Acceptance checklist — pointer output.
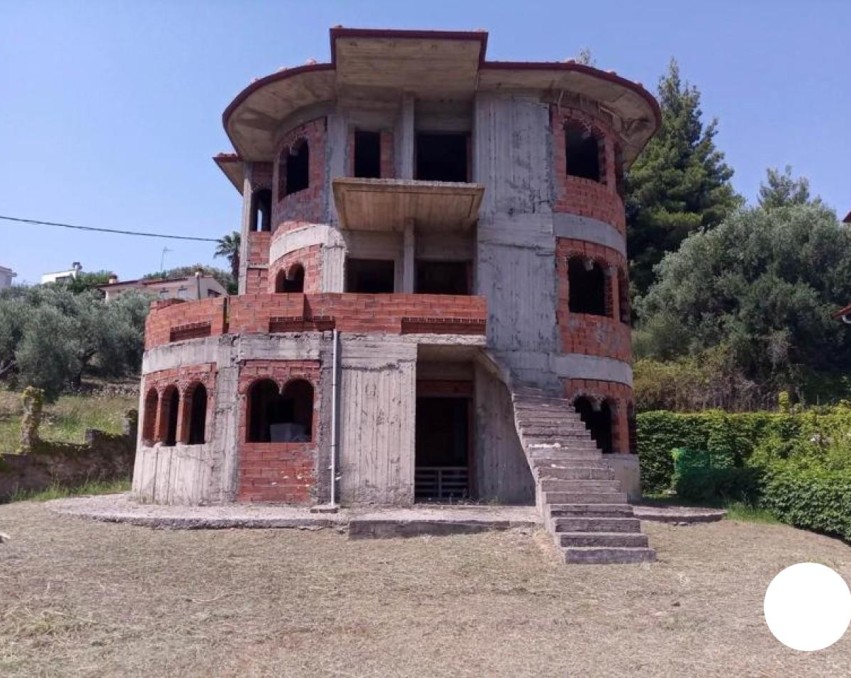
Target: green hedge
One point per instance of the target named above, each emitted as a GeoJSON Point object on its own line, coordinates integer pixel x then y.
{"type": "Point", "coordinates": [815, 500]}
{"type": "Point", "coordinates": [796, 465]}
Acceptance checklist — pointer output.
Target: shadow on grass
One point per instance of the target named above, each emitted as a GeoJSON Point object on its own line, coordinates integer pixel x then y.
{"type": "Point", "coordinates": [60, 492]}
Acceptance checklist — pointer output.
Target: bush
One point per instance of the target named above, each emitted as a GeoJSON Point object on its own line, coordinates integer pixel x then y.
{"type": "Point", "coordinates": [817, 500]}
{"type": "Point", "coordinates": [720, 485]}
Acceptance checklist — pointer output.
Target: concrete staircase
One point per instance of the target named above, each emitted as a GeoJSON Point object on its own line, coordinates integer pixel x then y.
{"type": "Point", "coordinates": [578, 496]}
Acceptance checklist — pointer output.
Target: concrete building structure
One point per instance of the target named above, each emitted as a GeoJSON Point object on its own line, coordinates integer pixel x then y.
{"type": "Point", "coordinates": [433, 295]}
{"type": "Point", "coordinates": [187, 288]}
{"type": "Point", "coordinates": [63, 276]}
{"type": "Point", "coordinates": [6, 277]}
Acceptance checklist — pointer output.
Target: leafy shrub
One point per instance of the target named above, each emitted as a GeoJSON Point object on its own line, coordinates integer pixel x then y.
{"type": "Point", "coordinates": [719, 485]}
{"type": "Point", "coordinates": [812, 499]}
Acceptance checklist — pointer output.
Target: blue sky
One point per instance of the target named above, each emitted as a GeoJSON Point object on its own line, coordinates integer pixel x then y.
{"type": "Point", "coordinates": [110, 111]}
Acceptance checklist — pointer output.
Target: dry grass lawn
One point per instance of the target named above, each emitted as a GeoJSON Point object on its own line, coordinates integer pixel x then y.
{"type": "Point", "coordinates": [89, 599]}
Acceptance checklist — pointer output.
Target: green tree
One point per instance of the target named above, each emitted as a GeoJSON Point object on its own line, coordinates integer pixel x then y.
{"type": "Point", "coordinates": [51, 337]}
{"type": "Point", "coordinates": [782, 190]}
{"type": "Point", "coordinates": [761, 288]}
{"type": "Point", "coordinates": [679, 184]}
{"type": "Point", "coordinates": [228, 247]}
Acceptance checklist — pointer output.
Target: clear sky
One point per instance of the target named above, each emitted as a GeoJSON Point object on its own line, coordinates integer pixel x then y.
{"type": "Point", "coordinates": [110, 111]}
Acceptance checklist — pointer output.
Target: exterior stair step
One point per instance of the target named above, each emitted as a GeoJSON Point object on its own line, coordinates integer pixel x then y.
{"type": "Point", "coordinates": [568, 462]}
{"type": "Point", "coordinates": [607, 555]}
{"type": "Point", "coordinates": [611, 539]}
{"type": "Point", "coordinates": [595, 524]}
{"type": "Point", "coordinates": [572, 485]}
{"type": "Point", "coordinates": [584, 497]}
{"type": "Point", "coordinates": [570, 472]}
{"type": "Point", "coordinates": [591, 510]}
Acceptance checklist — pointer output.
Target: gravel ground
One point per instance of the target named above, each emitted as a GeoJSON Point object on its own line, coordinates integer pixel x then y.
{"type": "Point", "coordinates": [83, 598]}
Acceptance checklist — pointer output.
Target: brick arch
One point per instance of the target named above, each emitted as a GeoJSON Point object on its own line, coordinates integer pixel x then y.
{"type": "Point", "coordinates": [309, 204]}
{"type": "Point", "coordinates": [195, 401]}
{"type": "Point", "coordinates": [149, 415]}
{"type": "Point", "coordinates": [309, 258]}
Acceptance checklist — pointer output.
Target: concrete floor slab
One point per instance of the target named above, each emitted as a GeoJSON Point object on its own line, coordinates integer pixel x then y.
{"type": "Point", "coordinates": [359, 522]}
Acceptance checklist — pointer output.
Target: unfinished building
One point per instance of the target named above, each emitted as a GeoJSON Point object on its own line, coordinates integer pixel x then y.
{"type": "Point", "coordinates": [433, 295]}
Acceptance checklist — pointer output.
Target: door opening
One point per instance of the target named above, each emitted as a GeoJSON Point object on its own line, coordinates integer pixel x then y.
{"type": "Point", "coordinates": [442, 461]}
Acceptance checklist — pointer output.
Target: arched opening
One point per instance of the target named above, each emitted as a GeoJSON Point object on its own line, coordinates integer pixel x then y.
{"type": "Point", "coordinates": [263, 410]}
{"type": "Point", "coordinates": [261, 210]}
{"type": "Point", "coordinates": [586, 283]}
{"type": "Point", "coordinates": [149, 419]}
{"type": "Point", "coordinates": [597, 418]}
{"type": "Point", "coordinates": [294, 169]}
{"type": "Point", "coordinates": [169, 416]}
{"type": "Point", "coordinates": [298, 397]}
{"type": "Point", "coordinates": [582, 153]}
{"type": "Point", "coordinates": [623, 297]}
{"type": "Point", "coordinates": [290, 282]}
{"type": "Point", "coordinates": [198, 415]}
{"type": "Point", "coordinates": [619, 177]}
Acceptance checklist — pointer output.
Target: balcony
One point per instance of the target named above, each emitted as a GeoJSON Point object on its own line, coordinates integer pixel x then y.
{"type": "Point", "coordinates": [390, 204]}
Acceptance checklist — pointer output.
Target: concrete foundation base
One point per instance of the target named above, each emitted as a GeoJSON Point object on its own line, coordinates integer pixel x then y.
{"type": "Point", "coordinates": [627, 472]}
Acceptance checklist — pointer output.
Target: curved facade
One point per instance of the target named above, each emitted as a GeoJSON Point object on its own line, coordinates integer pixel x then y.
{"type": "Point", "coordinates": [420, 242]}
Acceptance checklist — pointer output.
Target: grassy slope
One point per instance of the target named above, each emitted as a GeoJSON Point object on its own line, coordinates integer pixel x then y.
{"type": "Point", "coordinates": [67, 419]}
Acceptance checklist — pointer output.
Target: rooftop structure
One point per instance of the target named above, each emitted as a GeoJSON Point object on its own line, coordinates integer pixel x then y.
{"type": "Point", "coordinates": [188, 288]}
{"type": "Point", "coordinates": [63, 276]}
{"type": "Point", "coordinates": [433, 295]}
{"type": "Point", "coordinates": [6, 276]}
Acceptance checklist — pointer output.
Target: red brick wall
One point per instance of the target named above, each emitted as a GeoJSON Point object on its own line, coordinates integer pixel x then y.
{"type": "Point", "coordinates": [262, 174]}
{"type": "Point", "coordinates": [605, 336]}
{"type": "Point", "coordinates": [311, 203]}
{"type": "Point", "coordinates": [585, 197]}
{"type": "Point", "coordinates": [258, 247]}
{"type": "Point", "coordinates": [309, 257]}
{"type": "Point", "coordinates": [169, 314]}
{"type": "Point", "coordinates": [184, 378]}
{"type": "Point", "coordinates": [388, 156]}
{"type": "Point", "coordinates": [251, 313]}
{"type": "Point", "coordinates": [619, 397]}
{"type": "Point", "coordinates": [277, 472]}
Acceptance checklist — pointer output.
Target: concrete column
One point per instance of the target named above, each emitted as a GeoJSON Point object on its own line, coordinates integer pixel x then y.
{"type": "Point", "coordinates": [405, 139]}
{"type": "Point", "coordinates": [247, 190]}
{"type": "Point", "coordinates": [408, 262]}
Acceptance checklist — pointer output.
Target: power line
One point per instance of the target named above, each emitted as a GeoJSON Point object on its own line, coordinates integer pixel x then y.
{"type": "Point", "coordinates": [108, 230]}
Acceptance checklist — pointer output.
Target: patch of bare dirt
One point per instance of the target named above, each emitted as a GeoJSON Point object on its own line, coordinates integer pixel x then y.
{"type": "Point", "coordinates": [93, 599]}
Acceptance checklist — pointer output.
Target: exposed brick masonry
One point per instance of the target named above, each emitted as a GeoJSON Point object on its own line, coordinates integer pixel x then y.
{"type": "Point", "coordinates": [311, 204]}
{"type": "Point", "coordinates": [277, 472]}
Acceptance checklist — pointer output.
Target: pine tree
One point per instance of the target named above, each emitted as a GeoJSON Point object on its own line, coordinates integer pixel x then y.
{"type": "Point", "coordinates": [679, 184]}
{"type": "Point", "coordinates": [782, 190]}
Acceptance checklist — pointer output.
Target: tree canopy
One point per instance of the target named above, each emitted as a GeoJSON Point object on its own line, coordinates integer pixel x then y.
{"type": "Point", "coordinates": [680, 183]}
{"type": "Point", "coordinates": [783, 190]}
{"type": "Point", "coordinates": [228, 247]}
{"type": "Point", "coordinates": [51, 337]}
{"type": "Point", "coordinates": [761, 287]}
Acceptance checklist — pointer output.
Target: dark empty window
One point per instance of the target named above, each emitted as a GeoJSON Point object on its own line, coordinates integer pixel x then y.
{"type": "Point", "coordinates": [198, 416]}
{"type": "Point", "coordinates": [623, 297]}
{"type": "Point", "coordinates": [280, 417]}
{"type": "Point", "coordinates": [619, 178]}
{"type": "Point", "coordinates": [294, 169]}
{"type": "Point", "coordinates": [582, 153]}
{"type": "Point", "coordinates": [292, 281]}
{"type": "Point", "coordinates": [367, 155]}
{"type": "Point", "coordinates": [150, 417]}
{"type": "Point", "coordinates": [441, 157]}
{"type": "Point", "coordinates": [586, 283]}
{"type": "Point", "coordinates": [370, 277]}
{"type": "Point", "coordinates": [169, 416]}
{"type": "Point", "coordinates": [442, 277]}
{"type": "Point", "coordinates": [598, 421]}
{"type": "Point", "coordinates": [261, 210]}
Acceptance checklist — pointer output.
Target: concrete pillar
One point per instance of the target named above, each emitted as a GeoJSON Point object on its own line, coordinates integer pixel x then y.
{"type": "Point", "coordinates": [405, 139]}
{"type": "Point", "coordinates": [408, 262]}
{"type": "Point", "coordinates": [247, 190]}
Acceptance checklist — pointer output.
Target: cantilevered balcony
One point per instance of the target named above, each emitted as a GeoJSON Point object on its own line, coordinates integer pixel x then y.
{"type": "Point", "coordinates": [391, 204]}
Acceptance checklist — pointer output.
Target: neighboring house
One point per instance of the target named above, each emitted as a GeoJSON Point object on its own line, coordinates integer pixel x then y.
{"type": "Point", "coordinates": [6, 275]}
{"type": "Point", "coordinates": [63, 276]}
{"type": "Point", "coordinates": [189, 288]}
{"type": "Point", "coordinates": [433, 295]}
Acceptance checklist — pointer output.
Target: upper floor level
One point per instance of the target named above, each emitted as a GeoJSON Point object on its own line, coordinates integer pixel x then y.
{"type": "Point", "coordinates": [399, 111]}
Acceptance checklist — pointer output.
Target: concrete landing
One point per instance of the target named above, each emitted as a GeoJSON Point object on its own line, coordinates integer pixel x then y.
{"type": "Point", "coordinates": [678, 515]}
{"type": "Point", "coordinates": [359, 523]}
